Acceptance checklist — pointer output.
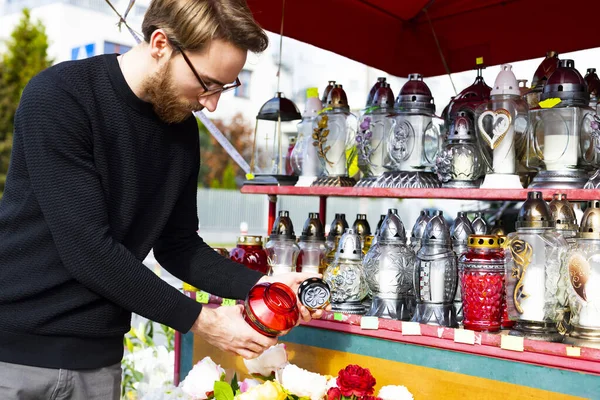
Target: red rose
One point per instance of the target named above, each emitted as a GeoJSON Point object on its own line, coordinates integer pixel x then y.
{"type": "Point", "coordinates": [334, 394]}
{"type": "Point", "coordinates": [370, 398]}
{"type": "Point", "coordinates": [357, 381]}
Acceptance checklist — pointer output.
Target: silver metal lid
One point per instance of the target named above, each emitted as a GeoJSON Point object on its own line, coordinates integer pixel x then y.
{"type": "Point", "coordinates": [480, 225]}
{"type": "Point", "coordinates": [349, 247]}
{"type": "Point", "coordinates": [437, 230]}
{"type": "Point", "coordinates": [461, 228]}
{"type": "Point", "coordinates": [419, 226]}
{"type": "Point", "coordinates": [392, 229]}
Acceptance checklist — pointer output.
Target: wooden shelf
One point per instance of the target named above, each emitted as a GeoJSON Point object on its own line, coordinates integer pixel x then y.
{"type": "Point", "coordinates": [441, 193]}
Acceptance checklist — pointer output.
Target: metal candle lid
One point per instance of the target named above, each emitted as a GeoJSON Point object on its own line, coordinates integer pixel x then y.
{"type": "Point", "coordinates": [562, 213]}
{"type": "Point", "coordinates": [378, 228]}
{"type": "Point", "coordinates": [479, 224]}
{"type": "Point", "coordinates": [415, 96]}
{"type": "Point", "coordinates": [419, 226]}
{"type": "Point", "coordinates": [392, 230]}
{"type": "Point", "coordinates": [337, 98]}
{"type": "Point", "coordinates": [279, 108]}
{"type": "Point", "coordinates": [313, 230]}
{"type": "Point", "coordinates": [535, 213]}
{"type": "Point", "coordinates": [361, 225]}
{"type": "Point", "coordinates": [314, 293]}
{"type": "Point", "coordinates": [380, 82]}
{"type": "Point", "coordinates": [462, 128]}
{"type": "Point", "coordinates": [498, 229]}
{"type": "Point", "coordinates": [249, 240]}
{"type": "Point", "coordinates": [590, 222]}
{"type": "Point", "coordinates": [349, 247]}
{"type": "Point", "coordinates": [593, 83]}
{"type": "Point", "coordinates": [283, 227]}
{"type": "Point", "coordinates": [486, 242]}
{"type": "Point", "coordinates": [544, 70]}
{"type": "Point", "coordinates": [384, 97]}
{"type": "Point", "coordinates": [506, 82]}
{"type": "Point", "coordinates": [567, 84]}
{"type": "Point", "coordinates": [461, 228]}
{"type": "Point", "coordinates": [471, 97]}
{"type": "Point", "coordinates": [326, 92]}
{"type": "Point", "coordinates": [338, 226]}
{"type": "Point", "coordinates": [436, 230]}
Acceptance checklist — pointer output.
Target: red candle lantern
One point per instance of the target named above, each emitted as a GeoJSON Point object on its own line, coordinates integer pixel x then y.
{"type": "Point", "coordinates": [250, 252]}
{"type": "Point", "coordinates": [271, 308]}
{"type": "Point", "coordinates": [481, 271]}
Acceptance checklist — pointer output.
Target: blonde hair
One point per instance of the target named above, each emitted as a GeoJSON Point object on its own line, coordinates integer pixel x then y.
{"type": "Point", "coordinates": [192, 24]}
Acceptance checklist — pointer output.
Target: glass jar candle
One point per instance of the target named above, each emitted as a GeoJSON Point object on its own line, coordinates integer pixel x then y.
{"type": "Point", "coordinates": [249, 251]}
{"type": "Point", "coordinates": [271, 308]}
{"type": "Point", "coordinates": [481, 271]}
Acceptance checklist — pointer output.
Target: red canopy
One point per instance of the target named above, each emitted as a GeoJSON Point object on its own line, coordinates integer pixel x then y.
{"type": "Point", "coordinates": [396, 36]}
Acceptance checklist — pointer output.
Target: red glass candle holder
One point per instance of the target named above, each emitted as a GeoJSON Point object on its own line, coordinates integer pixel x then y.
{"type": "Point", "coordinates": [271, 308]}
{"type": "Point", "coordinates": [249, 251]}
{"type": "Point", "coordinates": [481, 271]}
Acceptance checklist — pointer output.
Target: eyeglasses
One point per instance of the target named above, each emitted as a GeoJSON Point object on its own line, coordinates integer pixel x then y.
{"type": "Point", "coordinates": [208, 92]}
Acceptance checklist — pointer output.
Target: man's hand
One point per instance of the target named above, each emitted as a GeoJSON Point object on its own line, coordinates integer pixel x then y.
{"type": "Point", "coordinates": [225, 328]}
{"type": "Point", "coordinates": [293, 280]}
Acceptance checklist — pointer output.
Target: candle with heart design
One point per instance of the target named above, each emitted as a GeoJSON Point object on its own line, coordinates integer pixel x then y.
{"type": "Point", "coordinates": [501, 123]}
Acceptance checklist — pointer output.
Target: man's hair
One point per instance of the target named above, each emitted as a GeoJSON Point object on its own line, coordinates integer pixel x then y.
{"type": "Point", "coordinates": [192, 24]}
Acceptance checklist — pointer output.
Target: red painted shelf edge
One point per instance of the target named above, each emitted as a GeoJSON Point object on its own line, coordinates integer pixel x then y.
{"type": "Point", "coordinates": [437, 193]}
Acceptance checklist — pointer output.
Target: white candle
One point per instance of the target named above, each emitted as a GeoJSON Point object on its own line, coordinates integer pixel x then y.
{"type": "Point", "coordinates": [281, 269]}
{"type": "Point", "coordinates": [504, 154]}
{"type": "Point", "coordinates": [589, 316]}
{"type": "Point", "coordinates": [560, 152]}
{"type": "Point", "coordinates": [437, 281]}
{"type": "Point", "coordinates": [534, 281]}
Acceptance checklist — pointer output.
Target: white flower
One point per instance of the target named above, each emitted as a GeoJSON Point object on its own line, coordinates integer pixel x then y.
{"type": "Point", "coordinates": [166, 393]}
{"type": "Point", "coordinates": [272, 359]}
{"type": "Point", "coordinates": [156, 365]}
{"type": "Point", "coordinates": [202, 378]}
{"type": "Point", "coordinates": [392, 392]}
{"type": "Point", "coordinates": [247, 383]}
{"type": "Point", "coordinates": [303, 383]}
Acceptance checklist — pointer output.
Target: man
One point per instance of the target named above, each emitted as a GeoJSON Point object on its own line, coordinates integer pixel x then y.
{"type": "Point", "coordinates": [104, 168]}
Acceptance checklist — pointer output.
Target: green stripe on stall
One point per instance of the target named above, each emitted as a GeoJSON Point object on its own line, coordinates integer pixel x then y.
{"type": "Point", "coordinates": [551, 379]}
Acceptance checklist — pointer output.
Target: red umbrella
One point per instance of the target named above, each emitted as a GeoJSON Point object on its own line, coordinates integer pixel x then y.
{"type": "Point", "coordinates": [407, 36]}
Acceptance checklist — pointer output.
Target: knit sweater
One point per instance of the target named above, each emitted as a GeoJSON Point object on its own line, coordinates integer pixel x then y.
{"type": "Point", "coordinates": [96, 180]}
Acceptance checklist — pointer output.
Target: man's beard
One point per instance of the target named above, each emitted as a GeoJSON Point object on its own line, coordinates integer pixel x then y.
{"type": "Point", "coordinates": [161, 93]}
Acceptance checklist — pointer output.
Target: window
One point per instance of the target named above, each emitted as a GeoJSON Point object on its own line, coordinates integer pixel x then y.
{"type": "Point", "coordinates": [110, 48]}
{"type": "Point", "coordinates": [244, 90]}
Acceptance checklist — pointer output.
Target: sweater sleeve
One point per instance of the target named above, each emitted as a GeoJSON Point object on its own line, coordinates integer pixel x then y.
{"type": "Point", "coordinates": [184, 254]}
{"type": "Point", "coordinates": [59, 157]}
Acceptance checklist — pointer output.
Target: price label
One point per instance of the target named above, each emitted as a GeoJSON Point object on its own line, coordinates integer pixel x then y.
{"type": "Point", "coordinates": [574, 351]}
{"type": "Point", "coordinates": [411, 328]}
{"type": "Point", "coordinates": [479, 60]}
{"type": "Point", "coordinates": [338, 316]}
{"type": "Point", "coordinates": [202, 297]}
{"type": "Point", "coordinates": [228, 302]}
{"type": "Point", "coordinates": [514, 343]}
{"type": "Point", "coordinates": [464, 336]}
{"type": "Point", "coordinates": [369, 323]}
{"type": "Point", "coordinates": [549, 103]}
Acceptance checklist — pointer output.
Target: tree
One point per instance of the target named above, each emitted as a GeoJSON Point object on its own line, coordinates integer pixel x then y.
{"type": "Point", "coordinates": [217, 169]}
{"type": "Point", "coordinates": [26, 55]}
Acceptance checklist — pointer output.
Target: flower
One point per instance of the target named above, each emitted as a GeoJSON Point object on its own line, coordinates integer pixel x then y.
{"type": "Point", "coordinates": [334, 393]}
{"type": "Point", "coordinates": [272, 359]}
{"type": "Point", "coordinates": [355, 380]}
{"type": "Point", "coordinates": [247, 384]}
{"type": "Point", "coordinates": [365, 124]}
{"type": "Point", "coordinates": [303, 383]}
{"type": "Point", "coordinates": [270, 390]}
{"type": "Point", "coordinates": [392, 392]}
{"type": "Point", "coordinates": [370, 398]}
{"type": "Point", "coordinates": [166, 393]}
{"type": "Point", "coordinates": [201, 379]}
{"type": "Point", "coordinates": [156, 366]}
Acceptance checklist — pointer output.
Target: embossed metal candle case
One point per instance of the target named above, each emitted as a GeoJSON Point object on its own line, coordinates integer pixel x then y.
{"type": "Point", "coordinates": [334, 133]}
{"type": "Point", "coordinates": [414, 140]}
{"type": "Point", "coordinates": [271, 308]}
{"type": "Point", "coordinates": [250, 252]}
{"type": "Point", "coordinates": [345, 276]}
{"type": "Point", "coordinates": [534, 257]}
{"type": "Point", "coordinates": [481, 271]}
{"type": "Point", "coordinates": [312, 246]}
{"type": "Point", "coordinates": [389, 268]}
{"type": "Point", "coordinates": [314, 293]}
{"type": "Point", "coordinates": [281, 248]}
{"type": "Point", "coordinates": [416, 235]}
{"type": "Point", "coordinates": [582, 276]}
{"type": "Point", "coordinates": [372, 136]}
{"type": "Point", "coordinates": [460, 231]}
{"type": "Point", "coordinates": [436, 276]}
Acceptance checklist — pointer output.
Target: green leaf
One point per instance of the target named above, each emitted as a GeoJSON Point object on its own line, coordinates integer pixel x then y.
{"type": "Point", "coordinates": [137, 375]}
{"type": "Point", "coordinates": [223, 391]}
{"type": "Point", "coordinates": [234, 383]}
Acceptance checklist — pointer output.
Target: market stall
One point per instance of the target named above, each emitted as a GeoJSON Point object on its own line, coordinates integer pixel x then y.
{"type": "Point", "coordinates": [500, 143]}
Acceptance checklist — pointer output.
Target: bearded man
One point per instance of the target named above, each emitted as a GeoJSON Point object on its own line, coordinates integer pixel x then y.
{"type": "Point", "coordinates": [104, 167]}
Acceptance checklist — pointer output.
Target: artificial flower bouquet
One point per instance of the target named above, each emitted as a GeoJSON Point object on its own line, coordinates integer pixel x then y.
{"type": "Point", "coordinates": [277, 379]}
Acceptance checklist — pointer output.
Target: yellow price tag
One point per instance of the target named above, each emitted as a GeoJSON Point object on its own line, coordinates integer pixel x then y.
{"type": "Point", "coordinates": [479, 60]}
{"type": "Point", "coordinates": [228, 302]}
{"type": "Point", "coordinates": [249, 176]}
{"type": "Point", "coordinates": [550, 103]}
{"type": "Point", "coordinates": [202, 297]}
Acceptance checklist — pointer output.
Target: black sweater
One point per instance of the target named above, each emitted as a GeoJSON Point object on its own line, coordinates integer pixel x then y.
{"type": "Point", "coordinates": [95, 181]}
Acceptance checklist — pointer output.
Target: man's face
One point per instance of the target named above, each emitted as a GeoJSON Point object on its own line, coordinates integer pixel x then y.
{"type": "Point", "coordinates": [174, 90]}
